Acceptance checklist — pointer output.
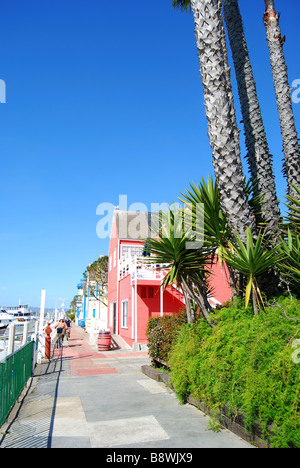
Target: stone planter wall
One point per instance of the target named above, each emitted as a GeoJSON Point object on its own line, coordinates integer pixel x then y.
{"type": "Point", "coordinates": [236, 426]}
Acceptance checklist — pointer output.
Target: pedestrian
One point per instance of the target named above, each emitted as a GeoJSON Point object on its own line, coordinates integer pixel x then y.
{"type": "Point", "coordinates": [68, 323]}
{"type": "Point", "coordinates": [61, 329]}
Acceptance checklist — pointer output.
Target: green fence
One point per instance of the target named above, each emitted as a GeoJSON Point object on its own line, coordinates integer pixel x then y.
{"type": "Point", "coordinates": [15, 370]}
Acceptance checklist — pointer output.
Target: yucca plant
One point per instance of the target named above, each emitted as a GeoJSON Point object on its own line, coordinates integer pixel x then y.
{"type": "Point", "coordinates": [293, 218]}
{"type": "Point", "coordinates": [185, 267]}
{"type": "Point", "coordinates": [289, 266]}
{"type": "Point", "coordinates": [215, 227]}
{"type": "Point", "coordinates": [252, 259]}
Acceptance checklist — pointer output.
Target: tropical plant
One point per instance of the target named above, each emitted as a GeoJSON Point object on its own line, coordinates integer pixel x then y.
{"type": "Point", "coordinates": [252, 259]}
{"type": "Point", "coordinates": [293, 218]}
{"type": "Point", "coordinates": [283, 98]}
{"type": "Point", "coordinates": [289, 245]}
{"type": "Point", "coordinates": [215, 227]}
{"type": "Point", "coordinates": [289, 266]}
{"type": "Point", "coordinates": [216, 233]}
{"type": "Point", "coordinates": [185, 267]}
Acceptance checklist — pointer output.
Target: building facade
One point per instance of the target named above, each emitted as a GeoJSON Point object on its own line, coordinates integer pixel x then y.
{"type": "Point", "coordinates": [88, 307]}
{"type": "Point", "coordinates": [134, 292]}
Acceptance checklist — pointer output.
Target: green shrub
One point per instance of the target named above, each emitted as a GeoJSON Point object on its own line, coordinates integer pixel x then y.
{"type": "Point", "coordinates": [245, 363]}
{"type": "Point", "coordinates": [161, 334]}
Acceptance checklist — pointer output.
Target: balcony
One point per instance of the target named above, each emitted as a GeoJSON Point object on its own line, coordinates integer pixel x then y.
{"type": "Point", "coordinates": [138, 269]}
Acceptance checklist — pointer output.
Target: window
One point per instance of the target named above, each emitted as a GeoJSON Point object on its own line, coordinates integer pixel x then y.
{"type": "Point", "coordinates": [147, 292]}
{"type": "Point", "coordinates": [133, 250]}
{"type": "Point", "coordinates": [124, 323]}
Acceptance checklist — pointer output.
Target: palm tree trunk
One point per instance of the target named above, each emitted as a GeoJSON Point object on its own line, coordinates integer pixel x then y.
{"type": "Point", "coordinates": [283, 98]}
{"type": "Point", "coordinates": [187, 306]}
{"type": "Point", "coordinates": [226, 155]}
{"type": "Point", "coordinates": [254, 302]}
{"type": "Point", "coordinates": [199, 301]}
{"type": "Point", "coordinates": [229, 85]}
{"type": "Point", "coordinates": [259, 157]}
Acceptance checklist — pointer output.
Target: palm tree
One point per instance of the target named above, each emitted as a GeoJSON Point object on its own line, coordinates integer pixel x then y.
{"type": "Point", "coordinates": [259, 157]}
{"type": "Point", "coordinates": [283, 98]}
{"type": "Point", "coordinates": [227, 163]}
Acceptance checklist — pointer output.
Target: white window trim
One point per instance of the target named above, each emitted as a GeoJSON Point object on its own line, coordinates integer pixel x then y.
{"type": "Point", "coordinates": [135, 247]}
{"type": "Point", "coordinates": [124, 325]}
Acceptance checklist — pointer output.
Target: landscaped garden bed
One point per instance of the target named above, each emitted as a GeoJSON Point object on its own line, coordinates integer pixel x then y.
{"type": "Point", "coordinates": [244, 372]}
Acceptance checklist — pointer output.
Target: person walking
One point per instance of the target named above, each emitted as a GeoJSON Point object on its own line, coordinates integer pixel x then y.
{"type": "Point", "coordinates": [68, 331]}
{"type": "Point", "coordinates": [61, 328]}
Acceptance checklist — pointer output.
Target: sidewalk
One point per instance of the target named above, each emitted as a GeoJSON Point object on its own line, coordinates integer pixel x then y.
{"type": "Point", "coordinates": [83, 398]}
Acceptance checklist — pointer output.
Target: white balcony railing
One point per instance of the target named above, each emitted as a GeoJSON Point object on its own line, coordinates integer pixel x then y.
{"type": "Point", "coordinates": [138, 268]}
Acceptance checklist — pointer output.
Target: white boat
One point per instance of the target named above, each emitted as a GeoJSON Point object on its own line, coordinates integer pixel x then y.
{"type": "Point", "coordinates": [5, 319]}
{"type": "Point", "coordinates": [20, 313]}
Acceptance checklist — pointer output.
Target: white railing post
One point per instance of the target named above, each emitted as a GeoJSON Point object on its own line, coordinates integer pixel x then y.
{"type": "Point", "coordinates": [25, 333]}
{"type": "Point", "coordinates": [11, 338]}
{"type": "Point", "coordinates": [41, 334]}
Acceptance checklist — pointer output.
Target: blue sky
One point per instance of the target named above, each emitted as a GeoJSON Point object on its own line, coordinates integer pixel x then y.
{"type": "Point", "coordinates": [105, 99]}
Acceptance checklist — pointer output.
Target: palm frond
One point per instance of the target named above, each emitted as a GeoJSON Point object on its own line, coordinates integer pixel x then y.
{"type": "Point", "coordinates": [215, 228]}
{"type": "Point", "coordinates": [184, 5]}
{"type": "Point", "coordinates": [252, 259]}
{"type": "Point", "coordinates": [289, 266]}
{"type": "Point", "coordinates": [293, 218]}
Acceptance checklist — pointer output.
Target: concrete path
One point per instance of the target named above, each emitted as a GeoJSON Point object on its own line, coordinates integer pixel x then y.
{"type": "Point", "coordinates": [83, 398]}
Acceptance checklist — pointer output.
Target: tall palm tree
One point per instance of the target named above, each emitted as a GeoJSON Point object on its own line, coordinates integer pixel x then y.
{"type": "Point", "coordinates": [259, 157]}
{"type": "Point", "coordinates": [283, 98]}
{"type": "Point", "coordinates": [227, 163]}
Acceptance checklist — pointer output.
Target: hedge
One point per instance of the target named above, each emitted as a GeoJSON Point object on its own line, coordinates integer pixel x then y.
{"type": "Point", "coordinates": [247, 363]}
{"type": "Point", "coordinates": [162, 333]}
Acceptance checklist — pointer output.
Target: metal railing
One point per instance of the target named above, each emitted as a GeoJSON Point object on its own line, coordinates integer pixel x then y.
{"type": "Point", "coordinates": [15, 370]}
{"type": "Point", "coordinates": [138, 268]}
{"type": "Point", "coordinates": [21, 350]}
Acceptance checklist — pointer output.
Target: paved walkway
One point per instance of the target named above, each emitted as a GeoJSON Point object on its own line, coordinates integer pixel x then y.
{"type": "Point", "coordinates": [83, 398]}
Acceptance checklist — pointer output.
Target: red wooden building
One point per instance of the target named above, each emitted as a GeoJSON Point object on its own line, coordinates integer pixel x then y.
{"type": "Point", "coordinates": [134, 292]}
